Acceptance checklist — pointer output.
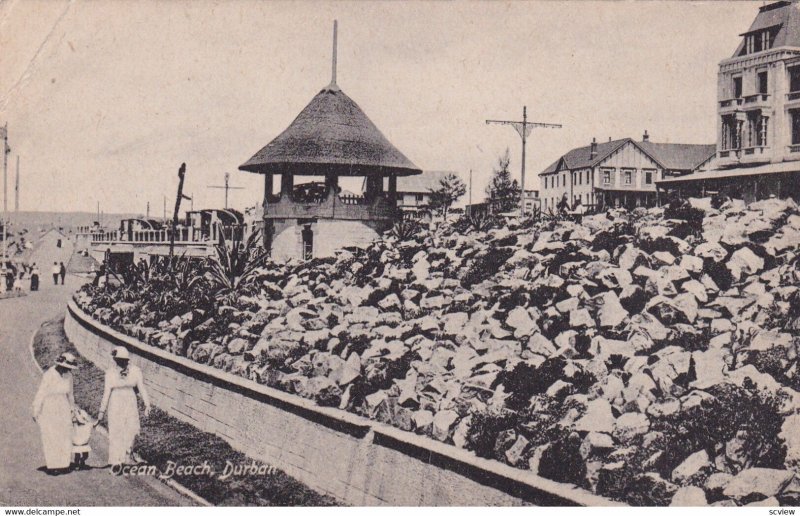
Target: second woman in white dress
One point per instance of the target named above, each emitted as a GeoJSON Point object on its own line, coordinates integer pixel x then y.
{"type": "Point", "coordinates": [122, 383]}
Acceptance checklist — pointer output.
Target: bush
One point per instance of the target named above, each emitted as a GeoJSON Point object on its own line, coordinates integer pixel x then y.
{"type": "Point", "coordinates": [751, 413]}
{"type": "Point", "coordinates": [562, 460]}
{"type": "Point", "coordinates": [485, 428]}
{"type": "Point", "coordinates": [486, 265]}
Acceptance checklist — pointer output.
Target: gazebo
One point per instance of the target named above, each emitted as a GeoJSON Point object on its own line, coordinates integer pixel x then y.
{"type": "Point", "coordinates": [330, 138]}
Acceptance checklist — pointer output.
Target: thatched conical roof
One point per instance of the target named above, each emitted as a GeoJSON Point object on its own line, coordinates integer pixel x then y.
{"type": "Point", "coordinates": [332, 134]}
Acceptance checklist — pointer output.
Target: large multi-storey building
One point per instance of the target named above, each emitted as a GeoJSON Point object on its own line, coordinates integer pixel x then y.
{"type": "Point", "coordinates": [758, 122]}
{"type": "Point", "coordinates": [618, 172]}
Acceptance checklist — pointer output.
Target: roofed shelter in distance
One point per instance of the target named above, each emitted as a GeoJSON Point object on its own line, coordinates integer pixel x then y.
{"type": "Point", "coordinates": [758, 114]}
{"type": "Point", "coordinates": [617, 173]}
{"type": "Point", "coordinates": [414, 192]}
{"type": "Point", "coordinates": [330, 138]}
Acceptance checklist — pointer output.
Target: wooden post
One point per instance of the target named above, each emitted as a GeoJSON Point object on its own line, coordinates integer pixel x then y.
{"type": "Point", "coordinates": [181, 175]}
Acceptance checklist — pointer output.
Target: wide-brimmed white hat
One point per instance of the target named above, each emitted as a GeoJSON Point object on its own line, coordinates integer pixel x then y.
{"type": "Point", "coordinates": [67, 360]}
{"type": "Point", "coordinates": [120, 353]}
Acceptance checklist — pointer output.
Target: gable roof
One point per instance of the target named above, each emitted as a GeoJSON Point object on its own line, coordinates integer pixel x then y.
{"type": "Point", "coordinates": [678, 156]}
{"type": "Point", "coordinates": [423, 183]}
{"type": "Point", "coordinates": [670, 156]}
{"type": "Point", "coordinates": [581, 157]}
{"type": "Point", "coordinates": [331, 134]}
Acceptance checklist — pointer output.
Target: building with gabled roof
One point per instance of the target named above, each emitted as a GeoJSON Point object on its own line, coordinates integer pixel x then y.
{"type": "Point", "coordinates": [620, 172]}
{"type": "Point", "coordinates": [758, 113]}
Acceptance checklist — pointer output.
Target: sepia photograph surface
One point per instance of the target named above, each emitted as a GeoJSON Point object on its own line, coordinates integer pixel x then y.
{"type": "Point", "coordinates": [399, 254]}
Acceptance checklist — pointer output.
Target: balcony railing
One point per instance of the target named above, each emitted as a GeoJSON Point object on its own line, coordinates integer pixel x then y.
{"type": "Point", "coordinates": [731, 102]}
{"type": "Point", "coordinates": [758, 97]}
{"type": "Point", "coordinates": [793, 95]}
{"type": "Point", "coordinates": [353, 200]}
{"type": "Point", "coordinates": [749, 151]}
{"type": "Point", "coordinates": [730, 153]}
{"type": "Point", "coordinates": [794, 148]}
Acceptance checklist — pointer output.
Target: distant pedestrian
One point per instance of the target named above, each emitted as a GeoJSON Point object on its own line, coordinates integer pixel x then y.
{"type": "Point", "coordinates": [62, 271]}
{"type": "Point", "coordinates": [35, 278]}
{"type": "Point", "coordinates": [20, 279]}
{"type": "Point", "coordinates": [9, 279]}
{"type": "Point", "coordinates": [56, 270]}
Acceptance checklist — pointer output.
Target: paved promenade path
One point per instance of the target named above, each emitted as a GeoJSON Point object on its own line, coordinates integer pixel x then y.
{"type": "Point", "coordinates": [21, 483]}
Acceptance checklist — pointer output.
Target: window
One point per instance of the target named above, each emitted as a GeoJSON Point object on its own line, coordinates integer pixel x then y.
{"type": "Point", "coordinates": [794, 79]}
{"type": "Point", "coordinates": [606, 177]}
{"type": "Point", "coordinates": [648, 177]}
{"type": "Point", "coordinates": [763, 82]}
{"type": "Point", "coordinates": [759, 41]}
{"type": "Point", "coordinates": [420, 197]}
{"type": "Point", "coordinates": [627, 177]}
{"type": "Point", "coordinates": [795, 114]}
{"type": "Point", "coordinates": [731, 132]}
{"type": "Point", "coordinates": [737, 87]}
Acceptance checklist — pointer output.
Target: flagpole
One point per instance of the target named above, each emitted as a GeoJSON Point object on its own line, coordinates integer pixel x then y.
{"type": "Point", "coordinates": [5, 193]}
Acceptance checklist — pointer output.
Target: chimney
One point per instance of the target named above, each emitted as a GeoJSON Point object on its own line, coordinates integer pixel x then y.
{"type": "Point", "coordinates": [593, 151]}
{"type": "Point", "coordinates": [645, 136]}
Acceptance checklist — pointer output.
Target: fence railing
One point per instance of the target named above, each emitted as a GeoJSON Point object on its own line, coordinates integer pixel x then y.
{"type": "Point", "coordinates": [183, 235]}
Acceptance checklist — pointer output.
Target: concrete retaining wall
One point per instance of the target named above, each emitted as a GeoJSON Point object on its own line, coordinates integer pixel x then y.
{"type": "Point", "coordinates": [357, 461]}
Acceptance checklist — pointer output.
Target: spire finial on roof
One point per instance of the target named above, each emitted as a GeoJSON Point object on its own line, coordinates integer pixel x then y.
{"type": "Point", "coordinates": [333, 85]}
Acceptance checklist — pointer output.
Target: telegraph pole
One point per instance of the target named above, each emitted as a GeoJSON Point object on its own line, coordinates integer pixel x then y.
{"type": "Point", "coordinates": [524, 129]}
{"type": "Point", "coordinates": [16, 190]}
{"type": "Point", "coordinates": [470, 187]}
{"type": "Point", "coordinates": [227, 187]}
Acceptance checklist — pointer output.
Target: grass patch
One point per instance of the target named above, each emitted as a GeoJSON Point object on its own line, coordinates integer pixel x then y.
{"type": "Point", "coordinates": [164, 438]}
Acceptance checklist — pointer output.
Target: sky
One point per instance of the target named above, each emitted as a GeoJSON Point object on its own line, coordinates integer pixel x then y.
{"type": "Point", "coordinates": [105, 99]}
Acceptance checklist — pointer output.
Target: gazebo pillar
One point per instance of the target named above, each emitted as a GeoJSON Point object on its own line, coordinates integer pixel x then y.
{"type": "Point", "coordinates": [392, 189]}
{"type": "Point", "coordinates": [374, 186]}
{"type": "Point", "coordinates": [332, 182]}
{"type": "Point", "coordinates": [268, 180]}
{"type": "Point", "coordinates": [287, 183]}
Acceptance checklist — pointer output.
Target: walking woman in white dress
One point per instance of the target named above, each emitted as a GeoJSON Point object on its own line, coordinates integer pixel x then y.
{"type": "Point", "coordinates": [122, 382]}
{"type": "Point", "coordinates": [53, 408]}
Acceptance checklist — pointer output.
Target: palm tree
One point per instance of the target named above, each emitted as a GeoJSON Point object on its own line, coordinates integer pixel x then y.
{"type": "Point", "coordinates": [233, 263]}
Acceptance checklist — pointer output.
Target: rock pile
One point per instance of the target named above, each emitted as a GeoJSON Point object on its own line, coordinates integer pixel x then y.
{"type": "Point", "coordinates": [648, 356]}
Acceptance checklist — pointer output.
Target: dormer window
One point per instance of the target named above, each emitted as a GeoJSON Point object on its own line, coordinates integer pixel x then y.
{"type": "Point", "coordinates": [759, 41]}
